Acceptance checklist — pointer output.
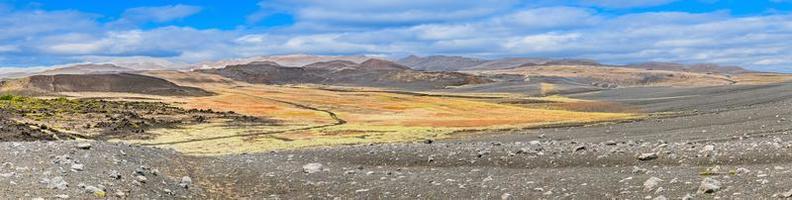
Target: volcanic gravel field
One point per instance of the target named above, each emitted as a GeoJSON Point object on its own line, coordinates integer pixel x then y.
{"type": "Point", "coordinates": [725, 142]}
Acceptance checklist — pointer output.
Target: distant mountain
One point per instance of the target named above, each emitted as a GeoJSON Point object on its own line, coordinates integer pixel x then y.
{"type": "Point", "coordinates": [371, 73]}
{"type": "Point", "coordinates": [700, 68]}
{"type": "Point", "coordinates": [440, 63]}
{"type": "Point", "coordinates": [295, 60]}
{"type": "Point", "coordinates": [123, 82]}
{"type": "Point", "coordinates": [86, 69]}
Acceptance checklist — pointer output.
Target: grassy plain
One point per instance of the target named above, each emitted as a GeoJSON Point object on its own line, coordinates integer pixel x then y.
{"type": "Point", "coordinates": [312, 116]}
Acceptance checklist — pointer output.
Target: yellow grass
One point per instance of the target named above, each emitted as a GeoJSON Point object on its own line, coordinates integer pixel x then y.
{"type": "Point", "coordinates": [370, 116]}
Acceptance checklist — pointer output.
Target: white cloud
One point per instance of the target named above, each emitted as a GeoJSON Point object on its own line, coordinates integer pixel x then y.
{"type": "Point", "coordinates": [422, 27]}
{"type": "Point", "coordinates": [383, 13]}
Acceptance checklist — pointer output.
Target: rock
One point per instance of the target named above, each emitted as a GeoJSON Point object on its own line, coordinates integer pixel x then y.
{"type": "Point", "coordinates": [611, 143]}
{"type": "Point", "coordinates": [141, 170]}
{"type": "Point", "coordinates": [57, 183]}
{"type": "Point", "coordinates": [77, 167]}
{"type": "Point", "coordinates": [708, 148]}
{"type": "Point", "coordinates": [638, 170]}
{"type": "Point", "coordinates": [84, 145]}
{"type": "Point", "coordinates": [506, 196]}
{"type": "Point", "coordinates": [580, 148]}
{"type": "Point", "coordinates": [660, 198]}
{"type": "Point", "coordinates": [787, 194]}
{"type": "Point", "coordinates": [185, 182]}
{"type": "Point", "coordinates": [534, 142]}
{"type": "Point", "coordinates": [647, 156]}
{"type": "Point", "coordinates": [709, 185]}
{"type": "Point", "coordinates": [311, 168]}
{"type": "Point", "coordinates": [651, 183]}
{"type": "Point", "coordinates": [742, 171]}
{"type": "Point", "coordinates": [97, 191]}
{"type": "Point", "coordinates": [141, 179]}
{"type": "Point", "coordinates": [687, 197]}
{"type": "Point", "coordinates": [62, 196]}
{"type": "Point", "coordinates": [115, 175]}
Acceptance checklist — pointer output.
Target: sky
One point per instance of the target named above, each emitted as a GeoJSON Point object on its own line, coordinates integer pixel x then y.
{"type": "Point", "coordinates": [755, 34]}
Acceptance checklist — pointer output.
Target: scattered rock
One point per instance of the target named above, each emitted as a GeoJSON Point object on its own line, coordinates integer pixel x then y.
{"type": "Point", "coordinates": [647, 156]}
{"type": "Point", "coordinates": [115, 175]}
{"type": "Point", "coordinates": [78, 167]}
{"type": "Point", "coordinates": [311, 168]}
{"type": "Point", "coordinates": [709, 185]}
{"type": "Point", "coordinates": [141, 179]}
{"type": "Point", "coordinates": [580, 148]}
{"type": "Point", "coordinates": [185, 182]}
{"type": "Point", "coordinates": [57, 183]}
{"type": "Point", "coordinates": [84, 145]}
{"type": "Point", "coordinates": [787, 194]}
{"type": "Point", "coordinates": [651, 183]}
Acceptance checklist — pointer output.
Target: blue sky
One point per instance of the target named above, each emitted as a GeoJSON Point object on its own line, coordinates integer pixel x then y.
{"type": "Point", "coordinates": [753, 34]}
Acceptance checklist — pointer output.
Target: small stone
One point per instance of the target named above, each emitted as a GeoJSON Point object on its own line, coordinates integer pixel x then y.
{"type": "Point", "coordinates": [115, 175]}
{"type": "Point", "coordinates": [647, 156]}
{"type": "Point", "coordinates": [311, 168]}
{"type": "Point", "coordinates": [98, 192]}
{"type": "Point", "coordinates": [84, 145]}
{"type": "Point", "coordinates": [709, 185]}
{"type": "Point", "coordinates": [506, 196]}
{"type": "Point", "coordinates": [787, 194]}
{"type": "Point", "coordinates": [185, 182]}
{"type": "Point", "coordinates": [638, 170]}
{"type": "Point", "coordinates": [708, 148]}
{"type": "Point", "coordinates": [651, 183]}
{"type": "Point", "coordinates": [611, 143]}
{"type": "Point", "coordinates": [77, 167]}
{"type": "Point", "coordinates": [141, 179]}
{"type": "Point", "coordinates": [580, 148]}
{"type": "Point", "coordinates": [361, 190]}
{"type": "Point", "coordinates": [120, 194]}
{"type": "Point", "coordinates": [660, 198]}
{"type": "Point", "coordinates": [57, 183]}
{"type": "Point", "coordinates": [62, 196]}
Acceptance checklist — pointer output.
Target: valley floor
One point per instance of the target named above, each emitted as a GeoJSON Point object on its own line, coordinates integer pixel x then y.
{"type": "Point", "coordinates": [714, 142]}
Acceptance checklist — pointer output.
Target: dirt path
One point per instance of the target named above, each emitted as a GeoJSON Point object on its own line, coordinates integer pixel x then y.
{"type": "Point", "coordinates": [334, 116]}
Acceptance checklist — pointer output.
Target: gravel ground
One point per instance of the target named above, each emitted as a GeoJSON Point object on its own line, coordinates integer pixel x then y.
{"type": "Point", "coordinates": [721, 144]}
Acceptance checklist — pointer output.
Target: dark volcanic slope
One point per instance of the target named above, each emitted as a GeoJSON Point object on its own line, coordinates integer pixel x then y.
{"type": "Point", "coordinates": [440, 63]}
{"type": "Point", "coordinates": [130, 83]}
{"type": "Point", "coordinates": [371, 73]}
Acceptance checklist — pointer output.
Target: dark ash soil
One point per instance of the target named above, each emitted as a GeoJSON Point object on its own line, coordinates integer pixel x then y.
{"type": "Point", "coordinates": [730, 142]}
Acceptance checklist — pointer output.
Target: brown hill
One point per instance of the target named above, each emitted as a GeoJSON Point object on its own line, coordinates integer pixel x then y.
{"type": "Point", "coordinates": [124, 82]}
{"type": "Point", "coordinates": [371, 73]}
{"type": "Point", "coordinates": [86, 69]}
{"type": "Point", "coordinates": [440, 63]}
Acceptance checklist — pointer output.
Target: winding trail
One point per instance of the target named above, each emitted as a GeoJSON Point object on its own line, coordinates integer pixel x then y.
{"type": "Point", "coordinates": [334, 116]}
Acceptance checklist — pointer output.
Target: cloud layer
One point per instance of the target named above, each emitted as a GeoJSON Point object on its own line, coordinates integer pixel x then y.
{"type": "Point", "coordinates": [488, 29]}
